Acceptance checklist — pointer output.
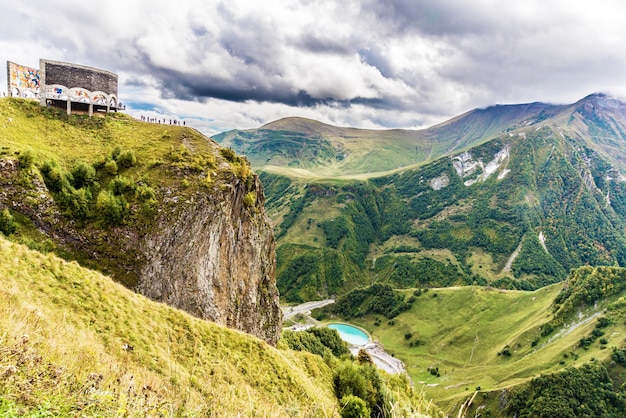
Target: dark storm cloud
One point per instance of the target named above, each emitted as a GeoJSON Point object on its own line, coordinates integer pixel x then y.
{"type": "Point", "coordinates": [190, 87]}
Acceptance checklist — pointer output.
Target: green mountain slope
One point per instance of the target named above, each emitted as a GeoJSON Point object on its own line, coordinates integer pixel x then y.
{"type": "Point", "coordinates": [73, 342]}
{"type": "Point", "coordinates": [162, 209]}
{"type": "Point", "coordinates": [306, 148]}
{"type": "Point", "coordinates": [455, 341]}
{"type": "Point", "coordinates": [542, 196]}
{"type": "Point", "coordinates": [64, 330]}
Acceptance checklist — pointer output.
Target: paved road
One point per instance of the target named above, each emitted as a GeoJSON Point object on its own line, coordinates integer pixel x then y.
{"type": "Point", "coordinates": [381, 358]}
{"type": "Point", "coordinates": [289, 311]}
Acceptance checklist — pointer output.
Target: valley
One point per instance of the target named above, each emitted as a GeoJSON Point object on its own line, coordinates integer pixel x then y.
{"type": "Point", "coordinates": [485, 228]}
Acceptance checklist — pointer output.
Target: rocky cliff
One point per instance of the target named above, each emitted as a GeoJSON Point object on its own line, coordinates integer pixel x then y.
{"type": "Point", "coordinates": [214, 257]}
{"type": "Point", "coordinates": [181, 222]}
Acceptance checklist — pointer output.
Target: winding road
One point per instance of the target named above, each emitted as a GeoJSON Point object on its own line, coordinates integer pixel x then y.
{"type": "Point", "coordinates": [304, 308]}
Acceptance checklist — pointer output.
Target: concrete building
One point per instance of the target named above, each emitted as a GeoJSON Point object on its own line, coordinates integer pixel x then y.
{"type": "Point", "coordinates": [62, 84]}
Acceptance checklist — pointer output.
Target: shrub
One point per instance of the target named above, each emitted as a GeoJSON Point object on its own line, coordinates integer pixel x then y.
{"type": "Point", "coordinates": [353, 407]}
{"type": "Point", "coordinates": [26, 159]}
{"type": "Point", "coordinates": [249, 199]}
{"type": "Point", "coordinates": [126, 159]}
{"type": "Point", "coordinates": [83, 174]}
{"type": "Point", "coordinates": [121, 185]}
{"type": "Point", "coordinates": [110, 167]}
{"type": "Point", "coordinates": [364, 358]}
{"type": "Point", "coordinates": [55, 177]}
{"type": "Point", "coordinates": [619, 356]}
{"type": "Point", "coordinates": [180, 154]}
{"type": "Point", "coordinates": [229, 154]}
{"type": "Point", "coordinates": [321, 341]}
{"type": "Point", "coordinates": [144, 193]}
{"type": "Point", "coordinates": [112, 208]}
{"type": "Point", "coordinates": [363, 382]}
{"type": "Point", "coordinates": [331, 339]}
{"type": "Point", "coordinates": [244, 172]}
{"type": "Point", "coordinates": [506, 351]}
{"type": "Point", "coordinates": [76, 202]}
{"type": "Point", "coordinates": [116, 152]}
{"type": "Point", "coordinates": [7, 223]}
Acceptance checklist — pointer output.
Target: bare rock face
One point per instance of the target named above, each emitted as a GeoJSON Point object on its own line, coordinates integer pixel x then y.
{"type": "Point", "coordinates": [214, 257]}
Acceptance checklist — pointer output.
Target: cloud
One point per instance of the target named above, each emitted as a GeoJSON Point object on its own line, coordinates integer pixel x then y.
{"type": "Point", "coordinates": [375, 63]}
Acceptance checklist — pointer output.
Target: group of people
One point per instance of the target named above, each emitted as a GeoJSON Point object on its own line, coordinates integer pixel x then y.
{"type": "Point", "coordinates": [163, 121]}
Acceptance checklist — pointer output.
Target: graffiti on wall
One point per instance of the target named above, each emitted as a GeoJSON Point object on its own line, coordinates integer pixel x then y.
{"type": "Point", "coordinates": [23, 78]}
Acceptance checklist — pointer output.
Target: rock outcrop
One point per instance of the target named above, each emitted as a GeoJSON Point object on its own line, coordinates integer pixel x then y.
{"type": "Point", "coordinates": [215, 258]}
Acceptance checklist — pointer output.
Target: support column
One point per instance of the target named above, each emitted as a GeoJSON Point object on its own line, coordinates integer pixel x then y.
{"type": "Point", "coordinates": [90, 109]}
{"type": "Point", "coordinates": [69, 106]}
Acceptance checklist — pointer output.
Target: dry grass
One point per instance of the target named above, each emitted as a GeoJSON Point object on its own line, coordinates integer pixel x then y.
{"type": "Point", "coordinates": [63, 330]}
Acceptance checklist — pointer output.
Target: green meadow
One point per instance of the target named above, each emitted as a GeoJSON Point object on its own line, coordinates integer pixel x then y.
{"type": "Point", "coordinates": [455, 341]}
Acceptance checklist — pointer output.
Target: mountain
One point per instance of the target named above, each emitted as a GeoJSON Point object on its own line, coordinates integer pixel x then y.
{"type": "Point", "coordinates": [166, 212]}
{"type": "Point", "coordinates": [308, 148]}
{"type": "Point", "coordinates": [516, 196]}
{"type": "Point", "coordinates": [162, 209]}
{"type": "Point", "coordinates": [304, 148]}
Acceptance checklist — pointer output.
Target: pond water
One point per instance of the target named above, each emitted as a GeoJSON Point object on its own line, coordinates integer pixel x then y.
{"type": "Point", "coordinates": [350, 334]}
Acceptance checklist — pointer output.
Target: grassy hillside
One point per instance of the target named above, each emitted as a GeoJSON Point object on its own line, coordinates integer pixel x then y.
{"type": "Point", "coordinates": [538, 191]}
{"type": "Point", "coordinates": [64, 330]}
{"type": "Point", "coordinates": [73, 341]}
{"type": "Point", "coordinates": [304, 148]}
{"type": "Point", "coordinates": [455, 341]}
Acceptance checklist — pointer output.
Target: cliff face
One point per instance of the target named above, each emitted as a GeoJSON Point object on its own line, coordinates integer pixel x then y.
{"type": "Point", "coordinates": [209, 251]}
{"type": "Point", "coordinates": [214, 257]}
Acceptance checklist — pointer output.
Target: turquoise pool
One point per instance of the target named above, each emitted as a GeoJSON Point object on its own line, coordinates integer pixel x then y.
{"type": "Point", "coordinates": [350, 334]}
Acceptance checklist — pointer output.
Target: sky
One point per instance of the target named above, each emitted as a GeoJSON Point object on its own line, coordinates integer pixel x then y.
{"type": "Point", "coordinates": [239, 64]}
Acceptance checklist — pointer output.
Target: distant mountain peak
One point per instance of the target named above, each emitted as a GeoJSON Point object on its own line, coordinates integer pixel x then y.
{"type": "Point", "coordinates": [603, 100]}
{"type": "Point", "coordinates": [299, 124]}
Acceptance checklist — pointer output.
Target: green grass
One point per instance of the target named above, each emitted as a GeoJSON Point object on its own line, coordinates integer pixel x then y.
{"type": "Point", "coordinates": [462, 330]}
{"type": "Point", "coordinates": [304, 232]}
{"type": "Point", "coordinates": [50, 134]}
{"type": "Point", "coordinates": [63, 329]}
